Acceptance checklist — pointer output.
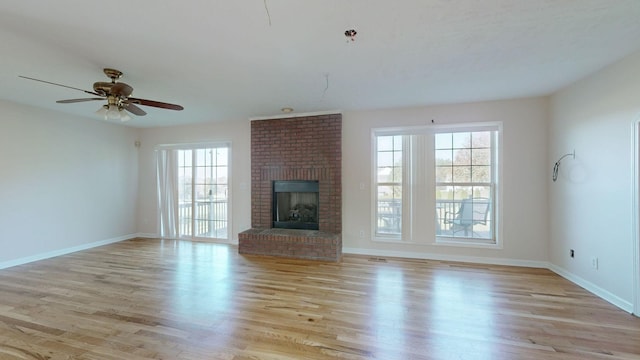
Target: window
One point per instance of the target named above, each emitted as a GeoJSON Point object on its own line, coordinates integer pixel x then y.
{"type": "Point", "coordinates": [446, 174]}
{"type": "Point", "coordinates": [203, 186]}
{"type": "Point", "coordinates": [464, 184]}
{"type": "Point", "coordinates": [389, 185]}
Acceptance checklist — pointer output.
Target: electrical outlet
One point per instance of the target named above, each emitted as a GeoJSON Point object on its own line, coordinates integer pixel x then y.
{"type": "Point", "coordinates": [362, 233]}
{"type": "Point", "coordinates": [594, 263]}
{"type": "Point", "coordinates": [572, 253]}
{"type": "Point", "coordinates": [361, 186]}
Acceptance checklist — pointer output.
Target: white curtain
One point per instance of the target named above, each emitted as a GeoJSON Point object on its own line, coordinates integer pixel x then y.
{"type": "Point", "coordinates": [167, 179]}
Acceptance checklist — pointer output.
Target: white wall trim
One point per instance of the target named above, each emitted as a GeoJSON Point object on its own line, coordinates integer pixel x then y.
{"type": "Point", "coordinates": [60, 252]}
{"type": "Point", "coordinates": [635, 211]}
{"type": "Point", "coordinates": [595, 289]}
{"type": "Point", "coordinates": [442, 257]}
{"type": "Point", "coordinates": [148, 235]}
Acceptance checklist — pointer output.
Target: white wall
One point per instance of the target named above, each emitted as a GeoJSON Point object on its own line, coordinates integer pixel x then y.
{"type": "Point", "coordinates": [238, 132]}
{"type": "Point", "coordinates": [524, 202]}
{"type": "Point", "coordinates": [66, 182]}
{"type": "Point", "coordinates": [525, 230]}
{"type": "Point", "coordinates": [591, 203]}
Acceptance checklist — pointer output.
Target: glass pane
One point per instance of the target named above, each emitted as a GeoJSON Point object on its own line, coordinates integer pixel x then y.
{"type": "Point", "coordinates": [200, 157]}
{"type": "Point", "coordinates": [389, 192]}
{"type": "Point", "coordinates": [389, 217]}
{"type": "Point", "coordinates": [462, 192]}
{"type": "Point", "coordinates": [184, 192]}
{"type": "Point", "coordinates": [397, 193]}
{"type": "Point", "coordinates": [202, 192]}
{"type": "Point", "coordinates": [184, 157]}
{"type": "Point", "coordinates": [201, 227]}
{"type": "Point", "coordinates": [444, 193]}
{"type": "Point", "coordinates": [445, 209]}
{"type": "Point", "coordinates": [444, 174]}
{"type": "Point", "coordinates": [180, 157]}
{"type": "Point", "coordinates": [397, 158]}
{"type": "Point", "coordinates": [397, 143]}
{"type": "Point", "coordinates": [462, 157]}
{"type": "Point", "coordinates": [481, 174]}
{"type": "Point", "coordinates": [222, 155]}
{"type": "Point", "coordinates": [461, 174]}
{"type": "Point", "coordinates": [222, 175]}
{"type": "Point", "coordinates": [385, 143]}
{"type": "Point", "coordinates": [461, 140]}
{"type": "Point", "coordinates": [385, 174]}
{"type": "Point", "coordinates": [481, 157]}
{"type": "Point", "coordinates": [444, 157]}
{"type": "Point", "coordinates": [184, 219]}
{"type": "Point", "coordinates": [385, 158]}
{"type": "Point", "coordinates": [481, 139]}
{"type": "Point", "coordinates": [443, 141]}
{"type": "Point", "coordinates": [201, 175]}
{"type": "Point", "coordinates": [482, 192]}
{"type": "Point", "coordinates": [397, 174]}
{"type": "Point", "coordinates": [210, 157]}
{"type": "Point", "coordinates": [481, 230]}
{"type": "Point", "coordinates": [221, 192]}
{"type": "Point", "coordinates": [385, 192]}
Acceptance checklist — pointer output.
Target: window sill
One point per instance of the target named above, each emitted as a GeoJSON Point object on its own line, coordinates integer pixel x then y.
{"type": "Point", "coordinates": [391, 240]}
{"type": "Point", "coordinates": [467, 242]}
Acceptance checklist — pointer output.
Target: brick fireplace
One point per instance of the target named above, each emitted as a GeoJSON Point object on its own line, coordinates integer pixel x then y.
{"type": "Point", "coordinates": [296, 148]}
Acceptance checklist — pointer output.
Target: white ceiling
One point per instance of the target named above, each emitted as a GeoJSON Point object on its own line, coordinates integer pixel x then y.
{"type": "Point", "coordinates": [233, 60]}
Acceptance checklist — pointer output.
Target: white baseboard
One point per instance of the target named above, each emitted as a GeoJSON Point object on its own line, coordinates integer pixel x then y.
{"type": "Point", "coordinates": [148, 235]}
{"type": "Point", "coordinates": [595, 289]}
{"type": "Point", "coordinates": [60, 252]}
{"type": "Point", "coordinates": [442, 257]}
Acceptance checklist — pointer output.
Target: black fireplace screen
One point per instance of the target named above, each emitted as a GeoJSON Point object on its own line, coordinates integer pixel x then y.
{"type": "Point", "coordinates": [295, 204]}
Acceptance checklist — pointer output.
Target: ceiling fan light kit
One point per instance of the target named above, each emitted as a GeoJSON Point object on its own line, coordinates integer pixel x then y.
{"type": "Point", "coordinates": [117, 94]}
{"type": "Point", "coordinates": [113, 112]}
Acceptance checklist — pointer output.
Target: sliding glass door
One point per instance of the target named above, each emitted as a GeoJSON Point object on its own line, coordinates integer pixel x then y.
{"type": "Point", "coordinates": [203, 190]}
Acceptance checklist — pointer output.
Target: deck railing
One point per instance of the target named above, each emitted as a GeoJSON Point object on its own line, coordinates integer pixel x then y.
{"type": "Point", "coordinates": [210, 218]}
{"type": "Point", "coordinates": [389, 219]}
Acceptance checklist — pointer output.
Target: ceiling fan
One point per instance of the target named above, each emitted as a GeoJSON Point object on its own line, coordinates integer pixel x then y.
{"type": "Point", "coordinates": [118, 96]}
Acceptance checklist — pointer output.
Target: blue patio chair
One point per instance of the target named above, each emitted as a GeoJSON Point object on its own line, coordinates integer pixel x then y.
{"type": "Point", "coordinates": [472, 211]}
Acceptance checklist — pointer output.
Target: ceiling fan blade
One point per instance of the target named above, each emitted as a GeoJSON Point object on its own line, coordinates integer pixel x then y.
{"type": "Point", "coordinates": [157, 104]}
{"type": "Point", "coordinates": [66, 86]}
{"type": "Point", "coordinates": [69, 101]}
{"type": "Point", "coordinates": [133, 109]}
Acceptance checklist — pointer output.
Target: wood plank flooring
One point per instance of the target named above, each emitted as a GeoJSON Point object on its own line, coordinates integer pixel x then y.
{"type": "Point", "coordinates": [153, 299]}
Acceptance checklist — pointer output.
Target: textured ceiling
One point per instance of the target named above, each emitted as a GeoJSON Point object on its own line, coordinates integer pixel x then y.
{"type": "Point", "coordinates": [232, 60]}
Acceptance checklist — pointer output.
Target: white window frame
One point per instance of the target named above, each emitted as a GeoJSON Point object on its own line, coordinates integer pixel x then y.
{"type": "Point", "coordinates": [419, 185]}
{"type": "Point", "coordinates": [407, 185]}
{"type": "Point", "coordinates": [496, 191]}
{"type": "Point", "coordinates": [194, 147]}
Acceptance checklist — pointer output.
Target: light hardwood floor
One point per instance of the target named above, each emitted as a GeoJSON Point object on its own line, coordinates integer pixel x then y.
{"type": "Point", "coordinates": [142, 299]}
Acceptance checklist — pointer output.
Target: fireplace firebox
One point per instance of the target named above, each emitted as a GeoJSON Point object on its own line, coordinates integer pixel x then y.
{"type": "Point", "coordinates": [295, 204]}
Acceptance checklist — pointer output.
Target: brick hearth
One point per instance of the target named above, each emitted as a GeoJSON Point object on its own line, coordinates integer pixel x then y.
{"type": "Point", "coordinates": [299, 148]}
